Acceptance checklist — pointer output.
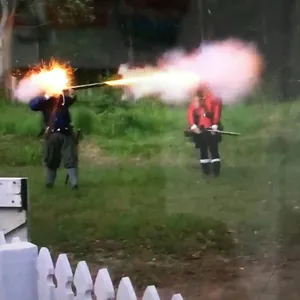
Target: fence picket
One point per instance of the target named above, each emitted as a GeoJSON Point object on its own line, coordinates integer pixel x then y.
{"type": "Point", "coordinates": [126, 290]}
{"type": "Point", "coordinates": [2, 238]}
{"type": "Point", "coordinates": [18, 276]}
{"type": "Point", "coordinates": [64, 278]}
{"type": "Point", "coordinates": [151, 293]}
{"type": "Point", "coordinates": [45, 269]}
{"type": "Point", "coordinates": [104, 288]}
{"type": "Point", "coordinates": [177, 297]}
{"type": "Point", "coordinates": [46, 272]}
{"type": "Point", "coordinates": [15, 240]}
{"type": "Point", "coordinates": [83, 282]}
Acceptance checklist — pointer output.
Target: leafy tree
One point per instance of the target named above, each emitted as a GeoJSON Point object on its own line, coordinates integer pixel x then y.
{"type": "Point", "coordinates": [70, 12]}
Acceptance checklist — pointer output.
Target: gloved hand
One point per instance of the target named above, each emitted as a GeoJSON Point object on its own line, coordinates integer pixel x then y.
{"type": "Point", "coordinates": [69, 93]}
{"type": "Point", "coordinates": [195, 128]}
{"type": "Point", "coordinates": [214, 129]}
{"type": "Point", "coordinates": [46, 97]}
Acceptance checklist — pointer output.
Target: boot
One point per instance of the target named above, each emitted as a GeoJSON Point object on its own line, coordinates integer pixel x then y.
{"type": "Point", "coordinates": [205, 166]}
{"type": "Point", "coordinates": [216, 166]}
{"type": "Point", "coordinates": [50, 177]}
{"type": "Point", "coordinates": [73, 177]}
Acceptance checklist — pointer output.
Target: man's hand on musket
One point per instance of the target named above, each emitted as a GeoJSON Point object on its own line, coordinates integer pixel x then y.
{"type": "Point", "coordinates": [214, 129]}
{"type": "Point", "coordinates": [43, 95]}
{"type": "Point", "coordinates": [69, 93]}
{"type": "Point", "coordinates": [195, 129]}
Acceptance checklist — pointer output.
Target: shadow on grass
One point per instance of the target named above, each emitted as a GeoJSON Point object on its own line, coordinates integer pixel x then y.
{"type": "Point", "coordinates": [127, 206]}
{"type": "Point", "coordinates": [179, 236]}
{"type": "Point", "coordinates": [289, 226]}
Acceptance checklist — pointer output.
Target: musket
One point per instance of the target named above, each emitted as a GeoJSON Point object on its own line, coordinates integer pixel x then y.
{"type": "Point", "coordinates": [224, 132]}
{"type": "Point", "coordinates": [87, 86]}
{"type": "Point", "coordinates": [77, 138]}
{"type": "Point", "coordinates": [188, 132]}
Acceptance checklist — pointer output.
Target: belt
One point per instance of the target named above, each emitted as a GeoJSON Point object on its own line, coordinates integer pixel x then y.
{"type": "Point", "coordinates": [61, 129]}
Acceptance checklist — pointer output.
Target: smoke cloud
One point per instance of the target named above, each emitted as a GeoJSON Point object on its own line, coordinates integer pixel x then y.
{"type": "Point", "coordinates": [27, 89]}
{"type": "Point", "coordinates": [229, 68]}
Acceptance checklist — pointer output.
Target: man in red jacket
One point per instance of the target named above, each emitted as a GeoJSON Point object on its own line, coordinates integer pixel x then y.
{"type": "Point", "coordinates": [204, 112]}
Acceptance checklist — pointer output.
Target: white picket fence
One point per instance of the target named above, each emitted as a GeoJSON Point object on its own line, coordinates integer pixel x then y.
{"type": "Point", "coordinates": [27, 273]}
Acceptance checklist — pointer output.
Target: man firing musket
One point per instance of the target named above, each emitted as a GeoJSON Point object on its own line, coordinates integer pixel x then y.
{"type": "Point", "coordinates": [203, 114]}
{"type": "Point", "coordinates": [59, 140]}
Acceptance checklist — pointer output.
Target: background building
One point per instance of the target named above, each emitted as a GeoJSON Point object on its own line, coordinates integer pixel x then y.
{"type": "Point", "coordinates": [118, 31]}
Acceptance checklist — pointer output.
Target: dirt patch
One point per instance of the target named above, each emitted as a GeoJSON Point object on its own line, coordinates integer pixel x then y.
{"type": "Point", "coordinates": [211, 277]}
{"type": "Point", "coordinates": [91, 153]}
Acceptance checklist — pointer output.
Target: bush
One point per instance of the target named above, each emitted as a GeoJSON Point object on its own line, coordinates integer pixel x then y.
{"type": "Point", "coordinates": [104, 99]}
{"type": "Point", "coordinates": [126, 122]}
{"type": "Point", "coordinates": [107, 116]}
{"type": "Point", "coordinates": [17, 119]}
{"type": "Point", "coordinates": [84, 118]}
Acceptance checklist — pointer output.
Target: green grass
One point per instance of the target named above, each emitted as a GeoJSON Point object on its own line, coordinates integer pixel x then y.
{"type": "Point", "coordinates": [141, 188]}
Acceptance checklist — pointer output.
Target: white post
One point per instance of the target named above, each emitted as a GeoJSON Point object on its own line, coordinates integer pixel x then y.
{"type": "Point", "coordinates": [13, 208]}
{"type": "Point", "coordinates": [18, 273]}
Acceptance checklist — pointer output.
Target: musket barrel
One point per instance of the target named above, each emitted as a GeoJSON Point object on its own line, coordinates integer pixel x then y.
{"type": "Point", "coordinates": [87, 86]}
{"type": "Point", "coordinates": [189, 132]}
{"type": "Point", "coordinates": [224, 132]}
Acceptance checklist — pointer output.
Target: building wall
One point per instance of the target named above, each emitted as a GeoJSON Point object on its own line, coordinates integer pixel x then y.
{"type": "Point", "coordinates": [23, 54]}
{"type": "Point", "coordinates": [130, 29]}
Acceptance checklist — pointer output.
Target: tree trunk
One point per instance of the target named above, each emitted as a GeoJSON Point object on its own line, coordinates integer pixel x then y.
{"type": "Point", "coordinates": [5, 56]}
{"type": "Point", "coordinates": [287, 34]}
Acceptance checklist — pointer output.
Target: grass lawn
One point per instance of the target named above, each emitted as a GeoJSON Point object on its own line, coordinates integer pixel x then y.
{"type": "Point", "coordinates": [143, 200]}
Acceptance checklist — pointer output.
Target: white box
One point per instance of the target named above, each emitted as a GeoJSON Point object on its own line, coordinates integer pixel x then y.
{"type": "Point", "coordinates": [13, 192]}
{"type": "Point", "coordinates": [13, 207]}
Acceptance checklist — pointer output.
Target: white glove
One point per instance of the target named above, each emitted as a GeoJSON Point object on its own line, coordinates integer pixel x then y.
{"type": "Point", "coordinates": [47, 97]}
{"type": "Point", "coordinates": [214, 127]}
{"type": "Point", "coordinates": [195, 128]}
{"type": "Point", "coordinates": [71, 93]}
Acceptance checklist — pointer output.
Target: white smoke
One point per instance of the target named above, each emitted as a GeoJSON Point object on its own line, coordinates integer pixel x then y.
{"type": "Point", "coordinates": [27, 89]}
{"type": "Point", "coordinates": [230, 69]}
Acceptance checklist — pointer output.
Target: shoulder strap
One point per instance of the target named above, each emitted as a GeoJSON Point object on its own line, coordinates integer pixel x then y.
{"type": "Point", "coordinates": [51, 121]}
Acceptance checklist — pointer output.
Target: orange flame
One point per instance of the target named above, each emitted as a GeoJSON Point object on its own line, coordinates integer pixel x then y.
{"type": "Point", "coordinates": [52, 79]}
{"type": "Point", "coordinates": [133, 75]}
{"type": "Point", "coordinates": [151, 74]}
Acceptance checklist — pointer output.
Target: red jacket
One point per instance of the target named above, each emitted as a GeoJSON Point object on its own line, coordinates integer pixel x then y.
{"type": "Point", "coordinates": [212, 106]}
